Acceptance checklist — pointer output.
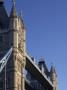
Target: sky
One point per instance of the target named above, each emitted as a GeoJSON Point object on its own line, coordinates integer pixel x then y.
{"type": "Point", "coordinates": [46, 28]}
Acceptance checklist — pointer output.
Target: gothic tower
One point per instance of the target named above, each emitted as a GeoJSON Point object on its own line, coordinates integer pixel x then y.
{"type": "Point", "coordinates": [12, 34]}
{"type": "Point", "coordinates": [53, 77]}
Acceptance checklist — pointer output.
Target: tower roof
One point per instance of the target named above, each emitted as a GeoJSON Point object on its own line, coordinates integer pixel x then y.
{"type": "Point", "coordinates": [53, 69]}
{"type": "Point", "coordinates": [13, 10]}
{"type": "Point", "coordinates": [1, 1]}
{"type": "Point", "coordinates": [42, 61]}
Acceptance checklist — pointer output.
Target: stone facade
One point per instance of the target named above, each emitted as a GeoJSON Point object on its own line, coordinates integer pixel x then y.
{"type": "Point", "coordinates": [13, 34]}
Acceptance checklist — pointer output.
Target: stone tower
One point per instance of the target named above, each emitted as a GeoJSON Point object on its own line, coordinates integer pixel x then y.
{"type": "Point", "coordinates": [12, 34]}
{"type": "Point", "coordinates": [53, 77]}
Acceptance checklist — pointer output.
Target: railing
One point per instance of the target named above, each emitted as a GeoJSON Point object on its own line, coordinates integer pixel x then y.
{"type": "Point", "coordinates": [43, 74]}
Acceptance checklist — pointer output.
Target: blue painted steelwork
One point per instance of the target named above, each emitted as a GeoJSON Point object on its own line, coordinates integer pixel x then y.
{"type": "Point", "coordinates": [5, 59]}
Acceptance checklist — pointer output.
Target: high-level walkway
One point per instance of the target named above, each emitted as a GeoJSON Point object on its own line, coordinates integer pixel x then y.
{"type": "Point", "coordinates": [33, 69]}
{"type": "Point", "coordinates": [36, 72]}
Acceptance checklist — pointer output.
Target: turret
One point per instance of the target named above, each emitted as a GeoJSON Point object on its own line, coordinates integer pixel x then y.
{"type": "Point", "coordinates": [43, 67]}
{"type": "Point", "coordinates": [13, 13]}
{"type": "Point", "coordinates": [13, 24]}
{"type": "Point", "coordinates": [53, 77]}
{"type": "Point", "coordinates": [17, 41]}
{"type": "Point", "coordinates": [17, 30]}
{"type": "Point", "coordinates": [12, 33]}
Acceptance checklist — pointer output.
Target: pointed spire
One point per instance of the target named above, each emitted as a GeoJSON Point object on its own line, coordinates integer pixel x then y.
{"type": "Point", "coordinates": [53, 74]}
{"type": "Point", "coordinates": [53, 77]}
{"type": "Point", "coordinates": [13, 10]}
{"type": "Point", "coordinates": [21, 13]}
{"type": "Point", "coordinates": [53, 69]}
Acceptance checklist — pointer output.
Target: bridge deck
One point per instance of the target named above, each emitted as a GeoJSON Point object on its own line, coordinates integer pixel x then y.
{"type": "Point", "coordinates": [36, 72]}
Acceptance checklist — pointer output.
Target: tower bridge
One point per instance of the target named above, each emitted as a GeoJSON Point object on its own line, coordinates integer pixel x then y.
{"type": "Point", "coordinates": [18, 71]}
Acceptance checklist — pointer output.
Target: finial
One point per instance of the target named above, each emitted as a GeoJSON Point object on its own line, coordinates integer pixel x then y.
{"type": "Point", "coordinates": [53, 69]}
{"type": "Point", "coordinates": [21, 13]}
{"type": "Point", "coordinates": [13, 10]}
{"type": "Point", "coordinates": [52, 64]}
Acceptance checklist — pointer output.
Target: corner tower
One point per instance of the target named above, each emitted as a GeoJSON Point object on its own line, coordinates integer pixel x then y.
{"type": "Point", "coordinates": [53, 77]}
{"type": "Point", "coordinates": [15, 33]}
{"type": "Point", "coordinates": [17, 41]}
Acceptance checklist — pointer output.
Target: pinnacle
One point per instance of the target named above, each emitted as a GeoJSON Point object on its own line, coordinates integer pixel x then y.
{"type": "Point", "coordinates": [13, 11]}
{"type": "Point", "coordinates": [53, 69]}
{"type": "Point", "coordinates": [14, 2]}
